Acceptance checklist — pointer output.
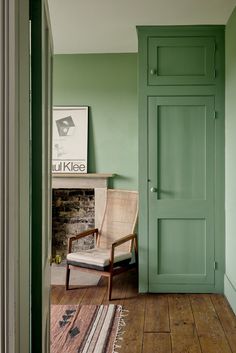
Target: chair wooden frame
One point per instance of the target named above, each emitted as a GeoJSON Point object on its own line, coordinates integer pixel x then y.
{"type": "Point", "coordinates": [113, 269]}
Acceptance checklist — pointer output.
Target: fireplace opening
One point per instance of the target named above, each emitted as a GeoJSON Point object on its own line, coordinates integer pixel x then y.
{"type": "Point", "coordinates": [73, 211]}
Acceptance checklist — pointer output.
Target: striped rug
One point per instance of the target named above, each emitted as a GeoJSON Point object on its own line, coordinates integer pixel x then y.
{"type": "Point", "coordinates": [85, 328]}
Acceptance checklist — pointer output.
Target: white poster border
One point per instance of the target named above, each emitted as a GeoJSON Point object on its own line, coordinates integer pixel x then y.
{"type": "Point", "coordinates": [70, 139]}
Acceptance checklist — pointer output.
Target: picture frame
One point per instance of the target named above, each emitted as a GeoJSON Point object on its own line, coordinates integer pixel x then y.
{"type": "Point", "coordinates": [70, 139]}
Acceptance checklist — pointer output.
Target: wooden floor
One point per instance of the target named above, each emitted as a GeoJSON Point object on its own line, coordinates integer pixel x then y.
{"type": "Point", "coordinates": [163, 323]}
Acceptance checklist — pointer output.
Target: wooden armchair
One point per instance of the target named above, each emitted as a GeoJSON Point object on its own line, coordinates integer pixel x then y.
{"type": "Point", "coordinates": [115, 241]}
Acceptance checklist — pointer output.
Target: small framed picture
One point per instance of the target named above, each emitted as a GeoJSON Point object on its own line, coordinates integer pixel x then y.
{"type": "Point", "coordinates": [70, 139]}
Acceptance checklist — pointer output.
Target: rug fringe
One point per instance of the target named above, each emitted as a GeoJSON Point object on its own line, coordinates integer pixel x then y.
{"type": "Point", "coordinates": [120, 328]}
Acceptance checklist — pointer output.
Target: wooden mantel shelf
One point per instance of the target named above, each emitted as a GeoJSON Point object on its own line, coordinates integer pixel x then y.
{"type": "Point", "coordinates": [80, 181]}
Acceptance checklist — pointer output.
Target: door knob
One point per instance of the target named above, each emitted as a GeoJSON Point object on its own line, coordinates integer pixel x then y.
{"type": "Point", "coordinates": [153, 72]}
{"type": "Point", "coordinates": [153, 189]}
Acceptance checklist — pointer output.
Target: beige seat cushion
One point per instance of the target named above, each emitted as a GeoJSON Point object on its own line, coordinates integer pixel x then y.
{"type": "Point", "coordinates": [97, 257]}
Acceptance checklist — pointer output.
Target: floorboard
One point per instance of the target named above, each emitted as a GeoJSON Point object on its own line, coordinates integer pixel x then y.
{"type": "Point", "coordinates": [211, 335]}
{"type": "Point", "coordinates": [180, 313]}
{"type": "Point", "coordinates": [157, 314]}
{"type": "Point", "coordinates": [162, 323]}
{"type": "Point", "coordinates": [185, 343]}
{"type": "Point", "coordinates": [156, 343]}
{"type": "Point", "coordinates": [227, 319]}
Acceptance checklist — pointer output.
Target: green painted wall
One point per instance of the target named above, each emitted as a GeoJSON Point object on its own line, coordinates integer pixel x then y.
{"type": "Point", "coordinates": [230, 278]}
{"type": "Point", "coordinates": [107, 83]}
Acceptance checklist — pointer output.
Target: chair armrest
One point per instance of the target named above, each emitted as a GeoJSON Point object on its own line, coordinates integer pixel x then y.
{"type": "Point", "coordinates": [124, 240]}
{"type": "Point", "coordinates": [81, 235]}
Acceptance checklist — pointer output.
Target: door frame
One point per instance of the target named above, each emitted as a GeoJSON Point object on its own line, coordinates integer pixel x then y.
{"type": "Point", "coordinates": [145, 91]}
{"type": "Point", "coordinates": [14, 177]}
{"type": "Point", "coordinates": [41, 66]}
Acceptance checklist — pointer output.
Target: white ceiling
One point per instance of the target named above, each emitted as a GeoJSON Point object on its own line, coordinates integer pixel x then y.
{"type": "Point", "coordinates": [108, 26]}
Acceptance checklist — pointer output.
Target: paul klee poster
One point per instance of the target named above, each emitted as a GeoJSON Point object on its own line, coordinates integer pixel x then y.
{"type": "Point", "coordinates": [70, 139]}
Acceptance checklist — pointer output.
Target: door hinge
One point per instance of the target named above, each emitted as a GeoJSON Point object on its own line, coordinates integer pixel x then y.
{"type": "Point", "coordinates": [214, 115]}
{"type": "Point", "coordinates": [214, 73]}
{"type": "Point", "coordinates": [215, 265]}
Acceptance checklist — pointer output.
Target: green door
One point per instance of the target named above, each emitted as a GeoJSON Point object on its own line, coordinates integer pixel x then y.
{"type": "Point", "coordinates": [181, 152]}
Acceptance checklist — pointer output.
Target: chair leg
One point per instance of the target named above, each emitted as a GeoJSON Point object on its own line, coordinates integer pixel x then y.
{"type": "Point", "coordinates": [109, 286]}
{"type": "Point", "coordinates": [136, 252]}
{"type": "Point", "coordinates": [67, 276]}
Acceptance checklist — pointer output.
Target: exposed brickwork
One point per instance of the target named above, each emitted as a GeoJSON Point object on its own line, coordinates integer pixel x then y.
{"type": "Point", "coordinates": [72, 212]}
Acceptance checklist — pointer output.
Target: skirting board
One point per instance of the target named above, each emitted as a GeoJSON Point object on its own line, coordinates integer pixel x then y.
{"type": "Point", "coordinates": [230, 293]}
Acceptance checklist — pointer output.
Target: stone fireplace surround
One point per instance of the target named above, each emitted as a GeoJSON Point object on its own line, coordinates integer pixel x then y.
{"type": "Point", "coordinates": [97, 182]}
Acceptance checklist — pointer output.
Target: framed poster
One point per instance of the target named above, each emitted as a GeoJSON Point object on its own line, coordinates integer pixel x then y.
{"type": "Point", "coordinates": [70, 139]}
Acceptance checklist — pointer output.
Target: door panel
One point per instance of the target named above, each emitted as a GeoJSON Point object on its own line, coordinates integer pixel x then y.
{"type": "Point", "coordinates": [183, 60]}
{"type": "Point", "coordinates": [181, 194]}
{"type": "Point", "coordinates": [181, 166]}
{"type": "Point", "coordinates": [185, 260]}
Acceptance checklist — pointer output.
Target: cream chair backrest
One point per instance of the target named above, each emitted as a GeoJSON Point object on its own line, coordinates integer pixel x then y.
{"type": "Point", "coordinates": [120, 217]}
